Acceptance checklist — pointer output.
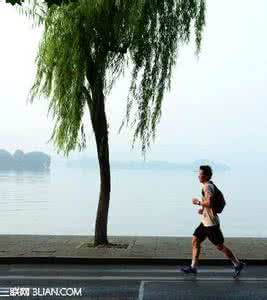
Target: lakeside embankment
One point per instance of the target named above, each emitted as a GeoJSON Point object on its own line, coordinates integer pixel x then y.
{"type": "Point", "coordinates": [73, 249]}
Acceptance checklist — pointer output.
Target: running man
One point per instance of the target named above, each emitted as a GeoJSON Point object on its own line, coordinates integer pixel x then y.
{"type": "Point", "coordinates": [209, 226]}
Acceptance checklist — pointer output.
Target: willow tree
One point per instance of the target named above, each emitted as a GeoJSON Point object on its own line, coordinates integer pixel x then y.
{"type": "Point", "coordinates": [85, 47]}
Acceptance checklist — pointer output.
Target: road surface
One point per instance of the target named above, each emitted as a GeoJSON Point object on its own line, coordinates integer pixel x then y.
{"type": "Point", "coordinates": [124, 282]}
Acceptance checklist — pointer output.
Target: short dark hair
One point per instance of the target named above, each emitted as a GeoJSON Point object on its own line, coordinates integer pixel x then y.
{"type": "Point", "coordinates": [206, 170]}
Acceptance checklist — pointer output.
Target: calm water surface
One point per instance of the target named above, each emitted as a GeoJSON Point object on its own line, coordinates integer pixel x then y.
{"type": "Point", "coordinates": [64, 201]}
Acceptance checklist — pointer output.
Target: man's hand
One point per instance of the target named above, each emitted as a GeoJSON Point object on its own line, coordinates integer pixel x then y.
{"type": "Point", "coordinates": [195, 201]}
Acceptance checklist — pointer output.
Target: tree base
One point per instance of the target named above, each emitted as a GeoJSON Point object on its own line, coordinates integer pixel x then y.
{"type": "Point", "coordinates": [107, 245]}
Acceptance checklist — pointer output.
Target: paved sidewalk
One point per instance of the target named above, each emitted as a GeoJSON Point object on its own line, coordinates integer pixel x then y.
{"type": "Point", "coordinates": [73, 248]}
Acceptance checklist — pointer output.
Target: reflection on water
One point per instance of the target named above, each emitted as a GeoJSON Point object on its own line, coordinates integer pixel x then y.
{"type": "Point", "coordinates": [64, 201]}
{"type": "Point", "coordinates": [25, 176]}
{"type": "Point", "coordinates": [17, 191]}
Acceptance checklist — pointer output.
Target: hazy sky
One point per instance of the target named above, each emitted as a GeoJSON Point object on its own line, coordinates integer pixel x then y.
{"type": "Point", "coordinates": [215, 110]}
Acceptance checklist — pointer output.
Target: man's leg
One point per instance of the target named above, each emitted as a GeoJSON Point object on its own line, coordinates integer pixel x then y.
{"type": "Point", "coordinates": [215, 235]}
{"type": "Point", "coordinates": [238, 265]}
{"type": "Point", "coordinates": [195, 254]}
{"type": "Point", "coordinates": [229, 254]}
{"type": "Point", "coordinates": [196, 247]}
{"type": "Point", "coordinates": [199, 236]}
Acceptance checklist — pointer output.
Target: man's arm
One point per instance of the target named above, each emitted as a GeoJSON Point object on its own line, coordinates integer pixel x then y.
{"type": "Point", "coordinates": [206, 200]}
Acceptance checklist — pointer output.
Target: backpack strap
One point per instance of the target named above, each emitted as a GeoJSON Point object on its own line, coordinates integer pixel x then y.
{"type": "Point", "coordinates": [214, 195]}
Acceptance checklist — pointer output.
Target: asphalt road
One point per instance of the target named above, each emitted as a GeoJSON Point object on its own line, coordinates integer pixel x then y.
{"type": "Point", "coordinates": [123, 282]}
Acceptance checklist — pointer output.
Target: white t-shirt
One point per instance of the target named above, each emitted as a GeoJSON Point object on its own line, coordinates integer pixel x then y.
{"type": "Point", "coordinates": [208, 218]}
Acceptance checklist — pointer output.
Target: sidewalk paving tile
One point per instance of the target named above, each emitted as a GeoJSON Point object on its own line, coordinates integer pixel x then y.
{"type": "Point", "coordinates": [146, 247]}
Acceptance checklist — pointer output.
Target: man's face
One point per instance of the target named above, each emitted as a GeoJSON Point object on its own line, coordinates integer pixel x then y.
{"type": "Point", "coordinates": [202, 177]}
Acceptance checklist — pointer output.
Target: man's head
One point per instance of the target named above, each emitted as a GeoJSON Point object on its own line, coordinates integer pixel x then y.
{"type": "Point", "coordinates": [205, 173]}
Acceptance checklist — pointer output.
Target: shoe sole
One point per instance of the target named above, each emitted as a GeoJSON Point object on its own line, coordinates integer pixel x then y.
{"type": "Point", "coordinates": [188, 272]}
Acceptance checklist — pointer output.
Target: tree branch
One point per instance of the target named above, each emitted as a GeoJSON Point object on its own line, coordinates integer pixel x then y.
{"type": "Point", "coordinates": [49, 2]}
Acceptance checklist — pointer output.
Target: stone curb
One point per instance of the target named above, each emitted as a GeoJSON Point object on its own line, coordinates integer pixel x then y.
{"type": "Point", "coordinates": [136, 260]}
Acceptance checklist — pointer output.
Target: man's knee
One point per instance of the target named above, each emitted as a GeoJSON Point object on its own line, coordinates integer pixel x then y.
{"type": "Point", "coordinates": [195, 242]}
{"type": "Point", "coordinates": [220, 247]}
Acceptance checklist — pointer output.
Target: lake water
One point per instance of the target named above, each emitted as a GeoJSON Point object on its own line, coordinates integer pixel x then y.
{"type": "Point", "coordinates": [150, 203]}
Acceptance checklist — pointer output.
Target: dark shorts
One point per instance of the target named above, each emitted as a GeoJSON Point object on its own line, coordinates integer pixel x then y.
{"type": "Point", "coordinates": [213, 233]}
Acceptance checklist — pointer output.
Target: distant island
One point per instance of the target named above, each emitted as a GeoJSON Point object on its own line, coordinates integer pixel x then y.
{"type": "Point", "coordinates": [214, 165]}
{"type": "Point", "coordinates": [91, 163]}
{"type": "Point", "coordinates": [20, 161]}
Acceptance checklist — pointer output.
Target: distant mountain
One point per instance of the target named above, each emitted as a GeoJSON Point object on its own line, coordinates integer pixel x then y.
{"type": "Point", "coordinates": [32, 161]}
{"type": "Point", "coordinates": [90, 163]}
{"type": "Point", "coordinates": [212, 164]}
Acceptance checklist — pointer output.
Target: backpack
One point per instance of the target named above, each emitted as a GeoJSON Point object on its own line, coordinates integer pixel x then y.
{"type": "Point", "coordinates": [218, 201]}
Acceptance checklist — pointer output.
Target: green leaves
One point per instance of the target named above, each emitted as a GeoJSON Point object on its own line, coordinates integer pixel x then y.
{"type": "Point", "coordinates": [49, 2]}
{"type": "Point", "coordinates": [61, 74]}
{"type": "Point", "coordinates": [13, 2]}
{"type": "Point", "coordinates": [160, 28]}
{"type": "Point", "coordinates": [111, 34]}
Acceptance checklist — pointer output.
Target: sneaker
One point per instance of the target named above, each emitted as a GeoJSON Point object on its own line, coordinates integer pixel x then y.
{"type": "Point", "coordinates": [189, 270]}
{"type": "Point", "coordinates": [238, 269]}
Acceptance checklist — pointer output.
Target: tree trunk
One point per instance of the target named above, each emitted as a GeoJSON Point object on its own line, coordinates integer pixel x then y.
{"type": "Point", "coordinates": [96, 105]}
{"type": "Point", "coordinates": [104, 195]}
